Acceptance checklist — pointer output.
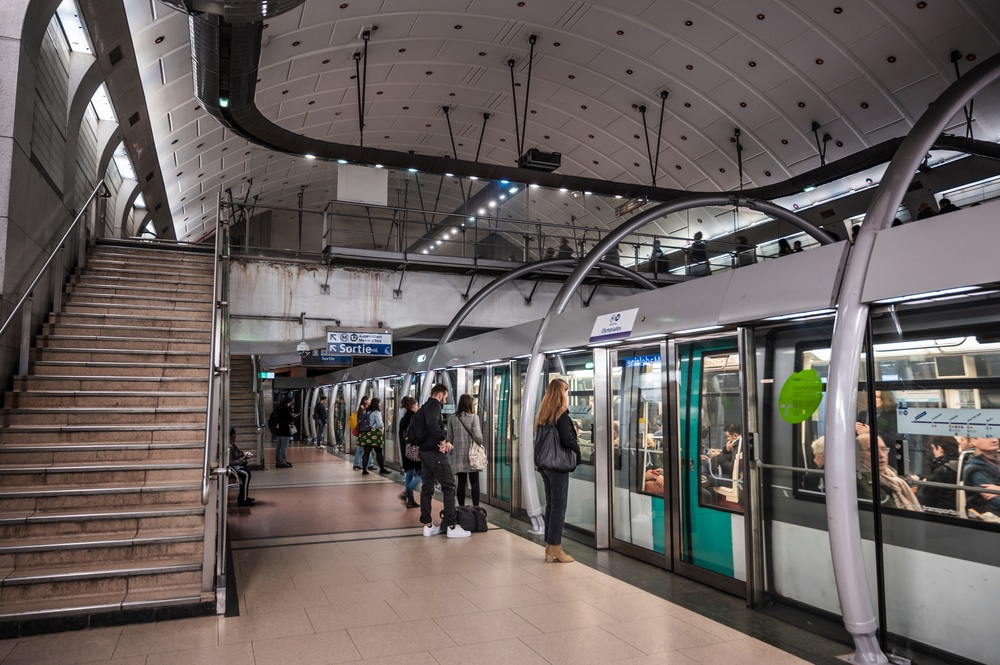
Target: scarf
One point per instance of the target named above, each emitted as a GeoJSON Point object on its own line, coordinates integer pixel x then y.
{"type": "Point", "coordinates": [899, 490]}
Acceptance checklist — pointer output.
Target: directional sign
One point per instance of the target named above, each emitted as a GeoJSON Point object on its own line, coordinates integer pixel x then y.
{"type": "Point", "coordinates": [320, 358]}
{"type": "Point", "coordinates": [359, 343]}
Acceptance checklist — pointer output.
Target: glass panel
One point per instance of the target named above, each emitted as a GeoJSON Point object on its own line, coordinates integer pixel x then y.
{"type": "Point", "coordinates": [578, 371]}
{"type": "Point", "coordinates": [500, 429]}
{"type": "Point", "coordinates": [712, 525]}
{"type": "Point", "coordinates": [339, 416]}
{"type": "Point", "coordinates": [637, 447]}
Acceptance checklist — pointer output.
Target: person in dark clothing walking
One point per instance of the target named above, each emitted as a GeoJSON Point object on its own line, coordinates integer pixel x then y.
{"type": "Point", "coordinates": [434, 448]}
{"type": "Point", "coordinates": [320, 416]}
{"type": "Point", "coordinates": [283, 432]}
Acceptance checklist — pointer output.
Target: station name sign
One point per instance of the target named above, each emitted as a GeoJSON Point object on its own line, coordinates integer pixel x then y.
{"type": "Point", "coordinates": [359, 342]}
{"type": "Point", "coordinates": [617, 325]}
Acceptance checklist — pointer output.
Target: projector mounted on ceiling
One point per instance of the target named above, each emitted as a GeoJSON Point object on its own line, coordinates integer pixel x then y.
{"type": "Point", "coordinates": [537, 160]}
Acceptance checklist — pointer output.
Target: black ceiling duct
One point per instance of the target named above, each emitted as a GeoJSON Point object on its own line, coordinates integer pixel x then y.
{"type": "Point", "coordinates": [226, 58]}
{"type": "Point", "coordinates": [235, 11]}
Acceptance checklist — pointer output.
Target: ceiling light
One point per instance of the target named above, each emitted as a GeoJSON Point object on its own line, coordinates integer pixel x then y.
{"type": "Point", "coordinates": [492, 204]}
{"type": "Point", "coordinates": [697, 330]}
{"type": "Point", "coordinates": [503, 197]}
{"type": "Point", "coordinates": [533, 186]}
{"type": "Point", "coordinates": [930, 295]}
{"type": "Point", "coordinates": [505, 182]}
{"type": "Point", "coordinates": [482, 211]}
{"type": "Point", "coordinates": [310, 156]}
{"type": "Point", "coordinates": [341, 161]}
{"type": "Point", "coordinates": [513, 190]}
{"type": "Point", "coordinates": [378, 166]}
{"type": "Point", "coordinates": [472, 177]}
{"type": "Point", "coordinates": [563, 189]}
{"type": "Point", "coordinates": [472, 219]}
{"type": "Point", "coordinates": [223, 103]}
{"type": "Point", "coordinates": [413, 170]}
{"type": "Point", "coordinates": [449, 175]}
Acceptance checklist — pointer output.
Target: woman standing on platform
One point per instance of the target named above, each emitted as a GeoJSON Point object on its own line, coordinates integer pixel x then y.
{"type": "Point", "coordinates": [374, 438]}
{"type": "Point", "coordinates": [555, 411]}
{"type": "Point", "coordinates": [411, 468]}
{"type": "Point", "coordinates": [463, 430]}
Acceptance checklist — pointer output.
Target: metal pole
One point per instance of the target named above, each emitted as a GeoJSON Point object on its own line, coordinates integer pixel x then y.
{"type": "Point", "coordinates": [848, 335]}
{"type": "Point", "coordinates": [22, 365]}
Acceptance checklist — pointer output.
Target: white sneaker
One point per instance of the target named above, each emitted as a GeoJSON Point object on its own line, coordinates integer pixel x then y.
{"type": "Point", "coordinates": [431, 530]}
{"type": "Point", "coordinates": [456, 531]}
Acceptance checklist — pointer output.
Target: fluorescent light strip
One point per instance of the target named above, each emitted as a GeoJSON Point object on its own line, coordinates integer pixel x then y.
{"type": "Point", "coordinates": [928, 295]}
{"type": "Point", "coordinates": [815, 312]}
{"type": "Point", "coordinates": [598, 344]}
{"type": "Point", "coordinates": [697, 330]}
{"type": "Point", "coordinates": [647, 337]}
{"type": "Point", "coordinates": [555, 351]}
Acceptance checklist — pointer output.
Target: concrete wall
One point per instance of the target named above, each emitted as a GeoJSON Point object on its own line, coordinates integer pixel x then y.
{"type": "Point", "coordinates": [364, 297]}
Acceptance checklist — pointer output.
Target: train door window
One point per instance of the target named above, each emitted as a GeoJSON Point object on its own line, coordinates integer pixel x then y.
{"type": "Point", "coordinates": [637, 513]}
{"type": "Point", "coordinates": [390, 416]}
{"type": "Point", "coordinates": [498, 424]}
{"type": "Point", "coordinates": [339, 415]}
{"type": "Point", "coordinates": [578, 371]}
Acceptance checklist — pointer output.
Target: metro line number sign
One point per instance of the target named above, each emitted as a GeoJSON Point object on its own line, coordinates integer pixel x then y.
{"type": "Point", "coordinates": [358, 343]}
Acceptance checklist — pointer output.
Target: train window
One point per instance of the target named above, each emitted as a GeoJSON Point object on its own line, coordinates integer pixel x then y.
{"type": "Point", "coordinates": [637, 420]}
{"type": "Point", "coordinates": [721, 443]}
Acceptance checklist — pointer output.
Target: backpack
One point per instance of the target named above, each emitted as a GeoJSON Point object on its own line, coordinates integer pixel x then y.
{"type": "Point", "coordinates": [316, 411]}
{"type": "Point", "coordinates": [470, 518]}
{"type": "Point", "coordinates": [364, 423]}
{"type": "Point", "coordinates": [411, 448]}
{"type": "Point", "coordinates": [272, 422]}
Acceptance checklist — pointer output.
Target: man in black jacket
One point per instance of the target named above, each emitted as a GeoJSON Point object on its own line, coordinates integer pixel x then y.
{"type": "Point", "coordinates": [434, 447]}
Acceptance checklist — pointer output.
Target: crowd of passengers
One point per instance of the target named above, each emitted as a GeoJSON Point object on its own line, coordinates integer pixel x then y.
{"type": "Point", "coordinates": [957, 464]}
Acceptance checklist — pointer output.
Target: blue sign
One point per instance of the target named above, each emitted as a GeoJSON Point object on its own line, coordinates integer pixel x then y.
{"type": "Point", "coordinates": [320, 358]}
{"type": "Point", "coordinates": [641, 361]}
{"type": "Point", "coordinates": [359, 349]}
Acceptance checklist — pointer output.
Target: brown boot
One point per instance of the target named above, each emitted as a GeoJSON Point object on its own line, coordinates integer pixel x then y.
{"type": "Point", "coordinates": [548, 553]}
{"type": "Point", "coordinates": [559, 555]}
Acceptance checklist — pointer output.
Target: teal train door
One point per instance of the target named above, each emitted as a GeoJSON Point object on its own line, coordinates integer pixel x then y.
{"type": "Point", "coordinates": [711, 522]}
{"type": "Point", "coordinates": [499, 423]}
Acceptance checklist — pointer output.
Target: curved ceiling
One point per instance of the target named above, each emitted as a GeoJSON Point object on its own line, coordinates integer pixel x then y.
{"type": "Point", "coordinates": [863, 70]}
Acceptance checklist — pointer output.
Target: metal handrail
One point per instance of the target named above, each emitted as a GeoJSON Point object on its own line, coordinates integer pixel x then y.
{"type": "Point", "coordinates": [206, 471]}
{"type": "Point", "coordinates": [27, 292]}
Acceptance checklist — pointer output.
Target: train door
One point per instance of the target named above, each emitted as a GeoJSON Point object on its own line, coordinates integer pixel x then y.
{"type": "Point", "coordinates": [639, 467]}
{"type": "Point", "coordinates": [709, 533]}
{"type": "Point", "coordinates": [497, 430]}
{"type": "Point", "coordinates": [479, 387]}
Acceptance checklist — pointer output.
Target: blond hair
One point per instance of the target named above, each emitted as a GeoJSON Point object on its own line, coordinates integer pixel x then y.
{"type": "Point", "coordinates": [554, 403]}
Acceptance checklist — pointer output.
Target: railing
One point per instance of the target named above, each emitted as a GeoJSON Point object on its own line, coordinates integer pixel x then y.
{"type": "Point", "coordinates": [100, 190]}
{"type": "Point", "coordinates": [218, 364]}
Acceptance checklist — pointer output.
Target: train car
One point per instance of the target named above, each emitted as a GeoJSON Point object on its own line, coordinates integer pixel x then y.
{"type": "Point", "coordinates": [698, 428]}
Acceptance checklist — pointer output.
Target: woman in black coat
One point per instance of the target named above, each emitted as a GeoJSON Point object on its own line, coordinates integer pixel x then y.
{"type": "Point", "coordinates": [411, 469]}
{"type": "Point", "coordinates": [555, 411]}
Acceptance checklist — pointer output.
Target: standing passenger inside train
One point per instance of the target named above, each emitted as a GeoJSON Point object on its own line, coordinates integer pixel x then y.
{"type": "Point", "coordinates": [411, 468]}
{"type": "Point", "coordinates": [894, 491]}
{"type": "Point", "coordinates": [943, 469]}
{"type": "Point", "coordinates": [983, 470]}
{"type": "Point", "coordinates": [463, 430]}
{"type": "Point", "coordinates": [555, 411]}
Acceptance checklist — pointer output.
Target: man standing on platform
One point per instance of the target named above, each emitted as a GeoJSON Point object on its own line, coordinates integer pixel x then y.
{"type": "Point", "coordinates": [435, 467]}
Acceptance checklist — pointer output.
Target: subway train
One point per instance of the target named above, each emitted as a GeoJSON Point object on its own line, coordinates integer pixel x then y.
{"type": "Point", "coordinates": [697, 427]}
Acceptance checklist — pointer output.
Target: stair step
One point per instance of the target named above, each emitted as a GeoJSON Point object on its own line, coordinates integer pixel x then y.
{"type": "Point", "coordinates": [34, 553]}
{"type": "Point", "coordinates": [139, 273]}
{"type": "Point", "coordinates": [151, 369]}
{"type": "Point", "coordinates": [15, 526]}
{"type": "Point", "coordinates": [199, 303]}
{"type": "Point", "coordinates": [49, 454]}
{"type": "Point", "coordinates": [105, 603]}
{"type": "Point", "coordinates": [130, 284]}
{"type": "Point", "coordinates": [78, 355]}
{"type": "Point", "coordinates": [140, 322]}
{"type": "Point", "coordinates": [108, 383]}
{"type": "Point", "coordinates": [116, 331]}
{"type": "Point", "coordinates": [131, 433]}
{"type": "Point", "coordinates": [32, 498]}
{"type": "Point", "coordinates": [15, 475]}
{"type": "Point", "coordinates": [104, 342]}
{"type": "Point", "coordinates": [98, 579]}
{"type": "Point", "coordinates": [102, 416]}
{"type": "Point", "coordinates": [107, 399]}
{"type": "Point", "coordinates": [182, 310]}
{"type": "Point", "coordinates": [148, 266]}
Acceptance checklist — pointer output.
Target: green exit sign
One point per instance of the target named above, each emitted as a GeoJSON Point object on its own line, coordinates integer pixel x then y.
{"type": "Point", "coordinates": [265, 375]}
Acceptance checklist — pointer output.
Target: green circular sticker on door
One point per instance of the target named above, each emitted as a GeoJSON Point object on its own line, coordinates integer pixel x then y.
{"type": "Point", "coordinates": [800, 396]}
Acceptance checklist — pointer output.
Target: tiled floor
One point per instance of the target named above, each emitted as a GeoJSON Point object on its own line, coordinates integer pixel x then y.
{"type": "Point", "coordinates": [330, 568]}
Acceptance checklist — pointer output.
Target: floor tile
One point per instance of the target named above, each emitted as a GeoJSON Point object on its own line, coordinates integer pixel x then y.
{"type": "Point", "coordinates": [230, 654]}
{"type": "Point", "coordinates": [431, 605]}
{"type": "Point", "coordinates": [284, 599]}
{"type": "Point", "coordinates": [661, 634]}
{"type": "Point", "coordinates": [249, 627]}
{"type": "Point", "coordinates": [316, 649]}
{"type": "Point", "coordinates": [560, 617]}
{"type": "Point", "coordinates": [485, 627]}
{"type": "Point", "coordinates": [504, 597]}
{"type": "Point", "coordinates": [358, 614]}
{"type": "Point", "coordinates": [381, 641]}
{"type": "Point", "coordinates": [501, 652]}
{"type": "Point", "coordinates": [583, 646]}
{"type": "Point", "coordinates": [167, 636]}
{"type": "Point", "coordinates": [64, 648]}
{"type": "Point", "coordinates": [745, 651]}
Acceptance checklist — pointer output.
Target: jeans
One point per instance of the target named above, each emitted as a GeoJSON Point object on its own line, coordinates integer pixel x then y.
{"type": "Point", "coordinates": [556, 496]}
{"type": "Point", "coordinates": [379, 457]}
{"type": "Point", "coordinates": [473, 478]}
{"type": "Point", "coordinates": [436, 467]}
{"type": "Point", "coordinates": [320, 432]}
{"type": "Point", "coordinates": [411, 479]}
{"type": "Point", "coordinates": [280, 449]}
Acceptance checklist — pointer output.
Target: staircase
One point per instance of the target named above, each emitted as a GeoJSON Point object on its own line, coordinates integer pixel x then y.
{"type": "Point", "coordinates": [242, 406]}
{"type": "Point", "coordinates": [102, 443]}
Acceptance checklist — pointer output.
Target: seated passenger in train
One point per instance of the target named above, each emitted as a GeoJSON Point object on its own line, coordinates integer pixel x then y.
{"type": "Point", "coordinates": [894, 491]}
{"type": "Point", "coordinates": [983, 470]}
{"type": "Point", "coordinates": [943, 469]}
{"type": "Point", "coordinates": [652, 482]}
{"type": "Point", "coordinates": [814, 482]}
